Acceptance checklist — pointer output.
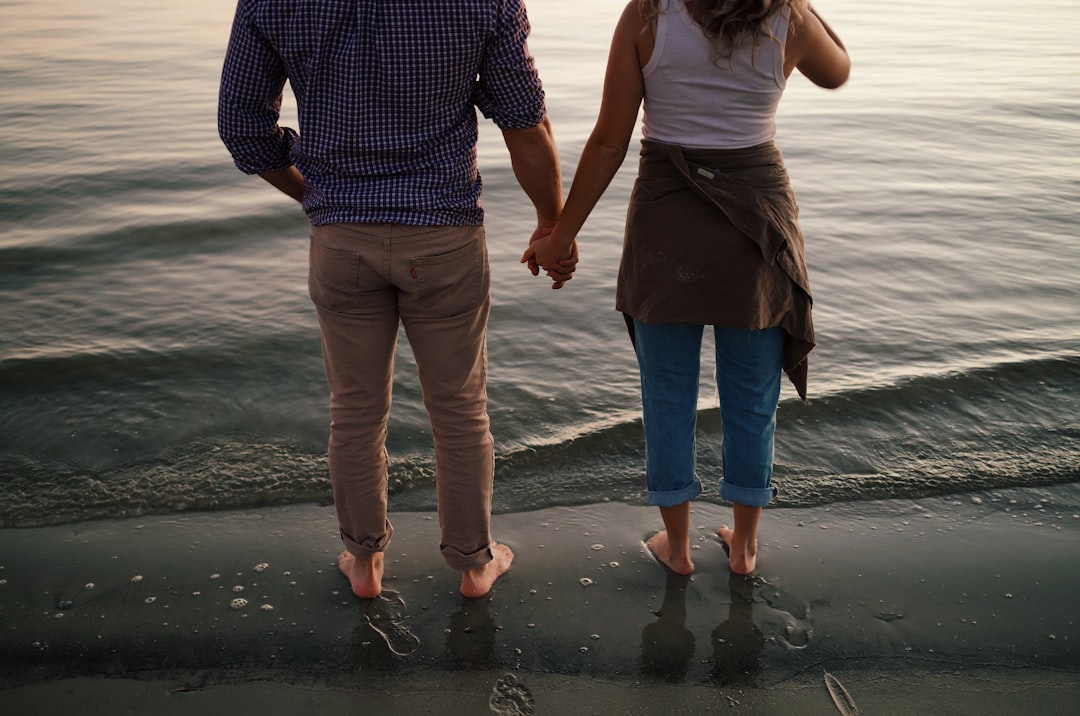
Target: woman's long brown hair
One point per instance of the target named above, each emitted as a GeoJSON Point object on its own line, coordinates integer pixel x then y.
{"type": "Point", "coordinates": [728, 22]}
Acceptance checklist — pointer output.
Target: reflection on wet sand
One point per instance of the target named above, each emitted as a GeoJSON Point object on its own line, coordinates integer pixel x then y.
{"type": "Point", "coordinates": [738, 642]}
{"type": "Point", "coordinates": [470, 635]}
{"type": "Point", "coordinates": [667, 646]}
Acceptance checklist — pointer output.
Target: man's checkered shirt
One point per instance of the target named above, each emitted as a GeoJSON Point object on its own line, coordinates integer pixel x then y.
{"type": "Point", "coordinates": [386, 94]}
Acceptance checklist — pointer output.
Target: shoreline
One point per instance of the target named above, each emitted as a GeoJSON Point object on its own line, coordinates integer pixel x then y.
{"type": "Point", "coordinates": [955, 604]}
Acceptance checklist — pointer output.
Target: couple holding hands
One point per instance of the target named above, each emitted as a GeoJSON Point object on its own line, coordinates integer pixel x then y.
{"type": "Point", "coordinates": [385, 166]}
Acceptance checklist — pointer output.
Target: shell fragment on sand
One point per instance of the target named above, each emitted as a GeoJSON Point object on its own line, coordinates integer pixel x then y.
{"type": "Point", "coordinates": [840, 696]}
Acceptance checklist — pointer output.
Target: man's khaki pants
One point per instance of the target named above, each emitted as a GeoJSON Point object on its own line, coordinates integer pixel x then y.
{"type": "Point", "coordinates": [364, 279]}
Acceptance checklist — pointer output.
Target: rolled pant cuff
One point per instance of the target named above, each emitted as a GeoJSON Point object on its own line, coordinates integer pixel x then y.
{"type": "Point", "coordinates": [461, 561]}
{"type": "Point", "coordinates": [369, 546]}
{"type": "Point", "coordinates": [749, 496]}
{"type": "Point", "coordinates": [671, 498]}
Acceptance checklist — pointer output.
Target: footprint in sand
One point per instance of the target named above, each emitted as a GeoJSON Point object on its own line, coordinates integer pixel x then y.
{"type": "Point", "coordinates": [74, 597]}
{"type": "Point", "coordinates": [385, 614]}
{"type": "Point", "coordinates": [510, 697]}
{"type": "Point", "coordinates": [789, 619]}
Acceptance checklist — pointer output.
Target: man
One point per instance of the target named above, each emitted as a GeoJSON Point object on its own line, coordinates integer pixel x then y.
{"type": "Point", "coordinates": [385, 167]}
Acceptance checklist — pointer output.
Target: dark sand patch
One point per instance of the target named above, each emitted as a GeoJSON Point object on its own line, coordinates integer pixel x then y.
{"type": "Point", "coordinates": [945, 605]}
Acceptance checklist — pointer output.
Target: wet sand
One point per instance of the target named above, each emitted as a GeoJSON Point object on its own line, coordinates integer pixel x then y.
{"type": "Point", "coordinates": [962, 604]}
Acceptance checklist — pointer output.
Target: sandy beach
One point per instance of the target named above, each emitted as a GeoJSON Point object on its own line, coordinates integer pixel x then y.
{"type": "Point", "coordinates": [957, 604]}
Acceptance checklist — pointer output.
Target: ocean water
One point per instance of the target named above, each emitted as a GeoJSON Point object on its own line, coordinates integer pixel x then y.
{"type": "Point", "coordinates": [158, 351]}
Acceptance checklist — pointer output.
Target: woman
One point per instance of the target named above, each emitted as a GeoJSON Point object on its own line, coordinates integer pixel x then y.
{"type": "Point", "coordinates": [711, 237]}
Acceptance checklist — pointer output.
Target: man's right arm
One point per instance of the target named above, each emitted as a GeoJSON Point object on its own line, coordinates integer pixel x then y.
{"type": "Point", "coordinates": [249, 102]}
{"type": "Point", "coordinates": [288, 181]}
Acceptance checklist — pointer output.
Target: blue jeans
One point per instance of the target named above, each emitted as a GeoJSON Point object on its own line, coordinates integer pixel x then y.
{"type": "Point", "coordinates": [748, 370]}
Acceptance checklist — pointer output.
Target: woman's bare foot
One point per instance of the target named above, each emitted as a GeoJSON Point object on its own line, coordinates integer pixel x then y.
{"type": "Point", "coordinates": [742, 553]}
{"type": "Point", "coordinates": [364, 574]}
{"type": "Point", "coordinates": [677, 560]}
{"type": "Point", "coordinates": [478, 582]}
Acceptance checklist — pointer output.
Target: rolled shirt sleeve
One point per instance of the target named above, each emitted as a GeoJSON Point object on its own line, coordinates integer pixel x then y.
{"type": "Point", "coordinates": [508, 89]}
{"type": "Point", "coordinates": [249, 100]}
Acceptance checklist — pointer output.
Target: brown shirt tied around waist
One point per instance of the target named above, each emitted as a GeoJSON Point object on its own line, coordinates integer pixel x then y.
{"type": "Point", "coordinates": [712, 237]}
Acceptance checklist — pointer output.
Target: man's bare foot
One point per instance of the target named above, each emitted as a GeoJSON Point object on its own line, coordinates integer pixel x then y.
{"type": "Point", "coordinates": [478, 582]}
{"type": "Point", "coordinates": [676, 560]}
{"type": "Point", "coordinates": [742, 556]}
{"type": "Point", "coordinates": [365, 575]}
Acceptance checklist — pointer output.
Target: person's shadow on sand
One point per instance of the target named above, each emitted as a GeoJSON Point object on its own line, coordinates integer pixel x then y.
{"type": "Point", "coordinates": [470, 636]}
{"type": "Point", "coordinates": [738, 642]}
{"type": "Point", "coordinates": [667, 646]}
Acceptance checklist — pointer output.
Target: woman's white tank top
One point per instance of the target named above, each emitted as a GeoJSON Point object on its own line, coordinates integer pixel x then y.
{"type": "Point", "coordinates": [692, 101]}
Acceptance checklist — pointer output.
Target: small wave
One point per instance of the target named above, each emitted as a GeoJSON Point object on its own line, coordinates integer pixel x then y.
{"type": "Point", "coordinates": [136, 361]}
{"type": "Point", "coordinates": [1002, 426]}
{"type": "Point", "coordinates": [23, 265]}
{"type": "Point", "coordinates": [203, 475]}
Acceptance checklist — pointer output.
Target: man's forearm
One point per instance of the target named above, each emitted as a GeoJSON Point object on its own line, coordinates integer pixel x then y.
{"type": "Point", "coordinates": [536, 168]}
{"type": "Point", "coordinates": [289, 181]}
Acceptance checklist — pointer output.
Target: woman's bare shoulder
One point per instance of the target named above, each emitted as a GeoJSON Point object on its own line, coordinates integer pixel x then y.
{"type": "Point", "coordinates": [814, 49]}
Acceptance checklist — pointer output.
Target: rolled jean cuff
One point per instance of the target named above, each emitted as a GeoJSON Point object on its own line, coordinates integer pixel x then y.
{"type": "Point", "coordinates": [749, 496]}
{"type": "Point", "coordinates": [671, 498]}
{"type": "Point", "coordinates": [462, 562]}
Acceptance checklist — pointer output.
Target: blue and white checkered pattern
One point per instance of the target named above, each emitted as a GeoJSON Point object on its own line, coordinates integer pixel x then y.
{"type": "Point", "coordinates": [386, 94]}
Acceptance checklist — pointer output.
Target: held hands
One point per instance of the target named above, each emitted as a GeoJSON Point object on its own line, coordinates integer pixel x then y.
{"type": "Point", "coordinates": [558, 264]}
